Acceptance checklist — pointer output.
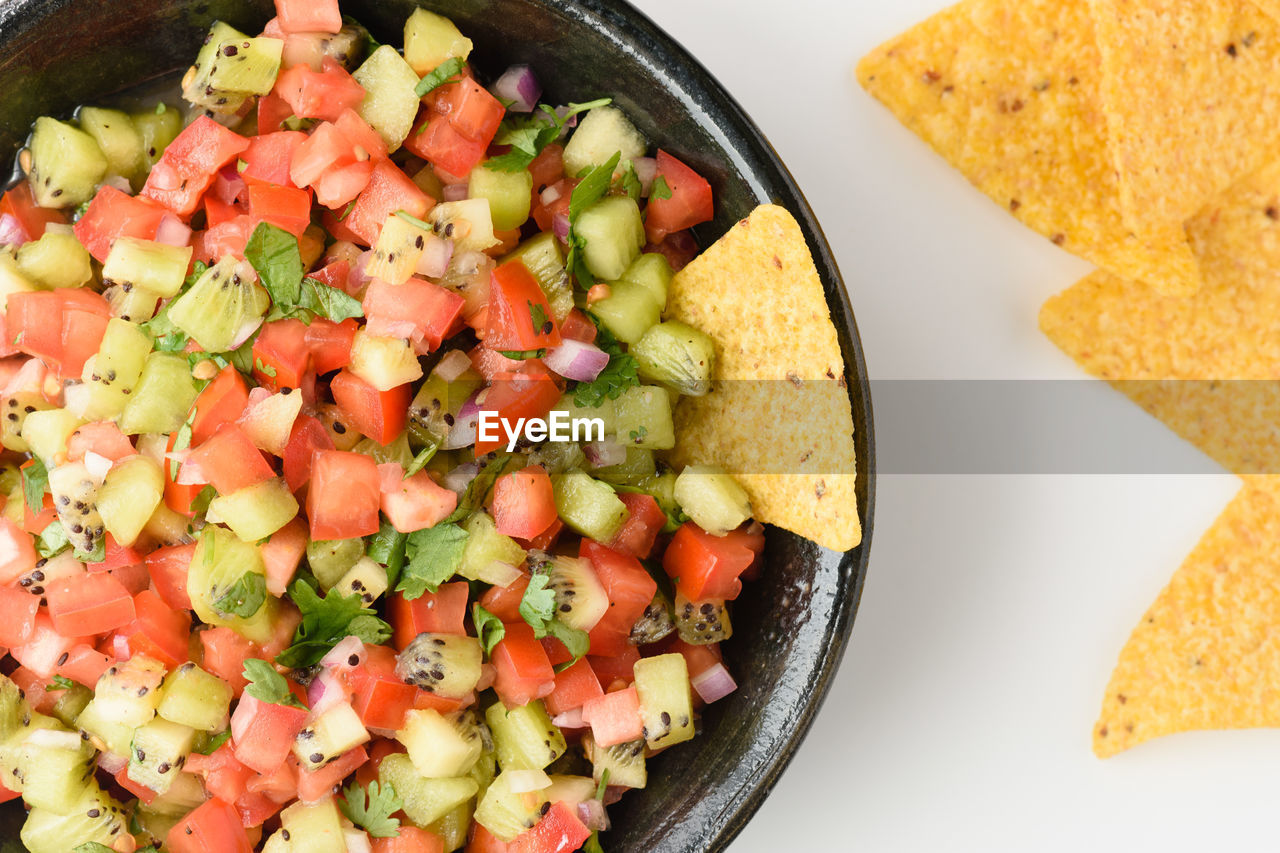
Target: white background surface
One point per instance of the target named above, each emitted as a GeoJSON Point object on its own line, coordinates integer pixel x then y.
{"type": "Point", "coordinates": [995, 606]}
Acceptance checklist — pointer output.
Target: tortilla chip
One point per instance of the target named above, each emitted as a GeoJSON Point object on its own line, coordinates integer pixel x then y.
{"type": "Point", "coordinates": [778, 373]}
{"type": "Point", "coordinates": [1188, 91]}
{"type": "Point", "coordinates": [1009, 92]}
{"type": "Point", "coordinates": [1207, 653]}
{"type": "Point", "coordinates": [1149, 346]}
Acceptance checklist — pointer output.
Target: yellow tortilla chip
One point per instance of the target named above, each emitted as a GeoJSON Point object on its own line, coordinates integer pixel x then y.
{"type": "Point", "coordinates": [1009, 92]}
{"type": "Point", "coordinates": [1207, 653]}
{"type": "Point", "coordinates": [1149, 346]}
{"type": "Point", "coordinates": [779, 391]}
{"type": "Point", "coordinates": [1189, 92]}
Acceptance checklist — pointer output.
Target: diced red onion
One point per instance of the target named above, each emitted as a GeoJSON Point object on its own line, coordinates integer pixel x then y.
{"type": "Point", "coordinates": [120, 183]}
{"type": "Point", "coordinates": [229, 185]}
{"type": "Point", "coordinates": [172, 231]}
{"type": "Point", "coordinates": [97, 465]}
{"type": "Point", "coordinates": [111, 762]}
{"type": "Point", "coordinates": [463, 431]}
{"type": "Point", "coordinates": [576, 360]}
{"type": "Point", "coordinates": [377, 732]}
{"type": "Point", "coordinates": [519, 88]}
{"type": "Point", "coordinates": [52, 738]}
{"type": "Point", "coordinates": [613, 793]}
{"type": "Point", "coordinates": [356, 841]}
{"type": "Point", "coordinates": [357, 278]}
{"type": "Point", "coordinates": [570, 719]}
{"type": "Point", "coordinates": [646, 170]}
{"type": "Point", "coordinates": [30, 377]}
{"type": "Point", "coordinates": [452, 364]}
{"type": "Point", "coordinates": [592, 813]}
{"type": "Point", "coordinates": [561, 112]}
{"type": "Point", "coordinates": [189, 473]}
{"type": "Point", "coordinates": [560, 226]}
{"type": "Point", "coordinates": [550, 195]}
{"type": "Point", "coordinates": [602, 454]}
{"type": "Point", "coordinates": [459, 478]}
{"type": "Point", "coordinates": [11, 231]}
{"type": "Point", "coordinates": [340, 655]}
{"type": "Point", "coordinates": [435, 257]}
{"type": "Point", "coordinates": [525, 781]}
{"type": "Point", "coordinates": [714, 684]}
{"type": "Point", "coordinates": [325, 692]}
{"type": "Point", "coordinates": [246, 330]}
{"type": "Point", "coordinates": [456, 192]}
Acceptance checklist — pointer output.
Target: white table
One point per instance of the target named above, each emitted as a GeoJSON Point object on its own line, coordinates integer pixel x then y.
{"type": "Point", "coordinates": [995, 606]}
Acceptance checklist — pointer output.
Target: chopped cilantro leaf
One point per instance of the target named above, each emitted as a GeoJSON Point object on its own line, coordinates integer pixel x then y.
{"type": "Point", "coordinates": [593, 187]}
{"type": "Point", "coordinates": [451, 67]}
{"type": "Point", "coordinates": [329, 302]}
{"type": "Point", "coordinates": [529, 135]}
{"type": "Point", "coordinates": [267, 685]}
{"type": "Point", "coordinates": [522, 354]}
{"type": "Point", "coordinates": [630, 182]}
{"type": "Point", "coordinates": [387, 548]}
{"type": "Point", "coordinates": [574, 639]}
{"type": "Point", "coordinates": [621, 373]}
{"type": "Point", "coordinates": [61, 682]}
{"type": "Point", "coordinates": [273, 252]}
{"type": "Point", "coordinates": [265, 369]}
{"type": "Point", "coordinates": [326, 621]}
{"type": "Point", "coordinates": [214, 742]}
{"type": "Point", "coordinates": [434, 555]}
{"type": "Point", "coordinates": [413, 220]}
{"type": "Point", "coordinates": [243, 598]}
{"type": "Point", "coordinates": [660, 188]}
{"type": "Point", "coordinates": [35, 482]}
{"type": "Point", "coordinates": [52, 540]}
{"type": "Point", "coordinates": [538, 605]}
{"type": "Point", "coordinates": [420, 461]}
{"type": "Point", "coordinates": [372, 810]}
{"type": "Point", "coordinates": [478, 489]}
{"type": "Point", "coordinates": [489, 628]}
{"type": "Point", "coordinates": [538, 316]}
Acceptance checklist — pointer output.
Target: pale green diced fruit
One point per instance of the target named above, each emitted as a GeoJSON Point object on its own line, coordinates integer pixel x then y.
{"type": "Point", "coordinates": [425, 800]}
{"type": "Point", "coordinates": [654, 272]}
{"type": "Point", "coordinates": [439, 746]}
{"type": "Point", "coordinates": [506, 814]}
{"type": "Point", "coordinates": [56, 767]}
{"type": "Point", "coordinates": [66, 164]}
{"type": "Point", "coordinates": [524, 737]}
{"type": "Point", "coordinates": [55, 260]}
{"type": "Point", "coordinates": [571, 789]}
{"type": "Point", "coordinates": [45, 431]}
{"type": "Point", "coordinates": [247, 65]}
{"type": "Point", "coordinates": [157, 267]}
{"type": "Point", "coordinates": [443, 664]}
{"type": "Point", "coordinates": [115, 735]}
{"type": "Point", "coordinates": [130, 689]}
{"type": "Point", "coordinates": [581, 600]}
{"type": "Point", "coordinates": [541, 255]}
{"type": "Point", "coordinates": [614, 233]}
{"type": "Point", "coordinates": [136, 304]}
{"type": "Point", "coordinates": [384, 363]}
{"type": "Point", "coordinates": [605, 412]}
{"type": "Point", "coordinates": [12, 280]}
{"type": "Point", "coordinates": [117, 136]}
{"type": "Point", "coordinates": [112, 374]}
{"type": "Point", "coordinates": [453, 827]}
{"type": "Point", "coordinates": [644, 418]}
{"type": "Point", "coordinates": [257, 511]}
{"type": "Point", "coordinates": [666, 701]}
{"type": "Point", "coordinates": [11, 747]}
{"type": "Point", "coordinates": [158, 751]}
{"type": "Point", "coordinates": [75, 498]}
{"type": "Point", "coordinates": [628, 312]}
{"type": "Point", "coordinates": [366, 579]}
{"type": "Point", "coordinates": [624, 762]}
{"type": "Point", "coordinates": [13, 707]}
{"type": "Point", "coordinates": [331, 559]}
{"type": "Point", "coordinates": [94, 817]}
{"type": "Point", "coordinates": [314, 827]}
{"type": "Point", "coordinates": [160, 402]}
{"type": "Point", "coordinates": [712, 498]}
{"type": "Point", "coordinates": [390, 103]}
{"type": "Point", "coordinates": [638, 467]}
{"type": "Point", "coordinates": [396, 254]}
{"type": "Point", "coordinates": [485, 546]}
{"type": "Point", "coordinates": [129, 495]}
{"type": "Point", "coordinates": [270, 421]}
{"type": "Point", "coordinates": [471, 221]}
{"type": "Point", "coordinates": [158, 129]}
{"type": "Point", "coordinates": [430, 39]}
{"type": "Point", "coordinates": [334, 732]}
{"type": "Point", "coordinates": [218, 305]}
{"type": "Point", "coordinates": [397, 451]}
{"type": "Point", "coordinates": [509, 195]}
{"type": "Point", "coordinates": [195, 698]}
{"type": "Point", "coordinates": [602, 132]}
{"type": "Point", "coordinates": [220, 561]}
{"type": "Point", "coordinates": [587, 505]}
{"type": "Point", "coordinates": [677, 355]}
{"type": "Point", "coordinates": [184, 794]}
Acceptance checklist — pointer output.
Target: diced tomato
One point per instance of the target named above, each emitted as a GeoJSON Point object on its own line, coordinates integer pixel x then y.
{"type": "Point", "coordinates": [379, 697]}
{"type": "Point", "coordinates": [690, 202]}
{"type": "Point", "coordinates": [308, 16]}
{"type": "Point", "coordinates": [578, 327]}
{"type": "Point", "coordinates": [504, 601]}
{"type": "Point", "coordinates": [159, 631]}
{"type": "Point", "coordinates": [483, 841]}
{"type": "Point", "coordinates": [213, 825]}
{"type": "Point", "coordinates": [380, 415]}
{"type": "Point", "coordinates": [287, 620]}
{"type": "Point", "coordinates": [113, 214]}
{"type": "Point", "coordinates": [19, 202]}
{"type": "Point", "coordinates": [698, 659]}
{"type": "Point", "coordinates": [425, 699]}
{"type": "Point", "coordinates": [547, 167]}
{"type": "Point", "coordinates": [314, 785]}
{"type": "Point", "coordinates": [617, 670]}
{"type": "Point", "coordinates": [36, 324]}
{"type": "Point", "coordinates": [307, 436]}
{"type": "Point", "coordinates": [417, 310]}
{"type": "Point", "coordinates": [282, 553]}
{"type": "Point", "coordinates": [436, 140]}
{"type": "Point", "coordinates": [273, 110]}
{"type": "Point", "coordinates": [255, 809]}
{"type": "Point", "coordinates": [83, 664]}
{"type": "Point", "coordinates": [224, 776]}
{"type": "Point", "coordinates": [17, 553]}
{"type": "Point", "coordinates": [268, 156]}
{"type": "Point", "coordinates": [101, 437]}
{"type": "Point", "coordinates": [285, 207]}
{"type": "Point", "coordinates": [553, 201]}
{"type": "Point", "coordinates": [679, 248]}
{"type": "Point", "coordinates": [490, 363]}
{"type": "Point", "coordinates": [630, 589]}
{"type": "Point", "coordinates": [280, 786]}
{"type": "Point", "coordinates": [559, 831]}
{"type": "Point", "coordinates": [221, 402]}
{"type": "Point", "coordinates": [263, 732]}
{"type": "Point", "coordinates": [471, 109]}
{"type": "Point", "coordinates": [441, 612]}
{"type": "Point", "coordinates": [142, 792]}
{"type": "Point", "coordinates": [343, 498]}
{"type": "Point", "coordinates": [230, 461]}
{"type": "Point", "coordinates": [413, 503]}
{"type": "Point", "coordinates": [524, 673]}
{"type": "Point", "coordinates": [324, 95]}
{"type": "Point", "coordinates": [361, 134]}
{"type": "Point", "coordinates": [229, 238]}
{"type": "Point", "coordinates": [18, 615]}
{"type": "Point", "coordinates": [91, 603]}
{"type": "Point", "coordinates": [575, 685]}
{"type": "Point", "coordinates": [326, 148]}
{"type": "Point", "coordinates": [645, 520]}
{"type": "Point", "coordinates": [515, 303]}
{"type": "Point", "coordinates": [168, 569]}
{"type": "Point", "coordinates": [330, 342]}
{"type": "Point", "coordinates": [705, 566]}
{"type": "Point", "coordinates": [42, 652]}
{"type": "Point", "coordinates": [388, 190]}
{"type": "Point", "coordinates": [614, 717]}
{"type": "Point", "coordinates": [218, 212]}
{"type": "Point", "coordinates": [82, 333]}
{"type": "Point", "coordinates": [530, 393]}
{"type": "Point", "coordinates": [334, 274]}
{"type": "Point", "coordinates": [545, 540]}
{"type": "Point", "coordinates": [224, 655]}
{"type": "Point", "coordinates": [190, 163]}
{"type": "Point", "coordinates": [410, 840]}
{"type": "Point", "coordinates": [281, 349]}
{"type": "Point", "coordinates": [523, 503]}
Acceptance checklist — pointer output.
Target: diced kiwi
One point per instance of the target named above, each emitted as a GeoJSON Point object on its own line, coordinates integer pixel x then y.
{"type": "Point", "coordinates": [441, 746]}
{"type": "Point", "coordinates": [443, 664]}
{"type": "Point", "coordinates": [614, 234]}
{"type": "Point", "coordinates": [327, 737]}
{"type": "Point", "coordinates": [602, 132]}
{"type": "Point", "coordinates": [330, 559]}
{"type": "Point", "coordinates": [131, 492]}
{"type": "Point", "coordinates": [220, 560]}
{"type": "Point", "coordinates": [628, 311]}
{"type": "Point", "coordinates": [509, 195]}
{"type": "Point", "coordinates": [581, 600]}
{"type": "Point", "coordinates": [606, 412]}
{"type": "Point", "coordinates": [255, 512]}
{"type": "Point", "coordinates": [666, 702]}
{"type": "Point", "coordinates": [701, 623]}
{"type": "Point", "coordinates": [164, 394]}
{"type": "Point", "coordinates": [452, 829]}
{"type": "Point", "coordinates": [111, 375]}
{"type": "Point", "coordinates": [712, 498]}
{"type": "Point", "coordinates": [425, 800]}
{"type": "Point", "coordinates": [230, 68]}
{"type": "Point", "coordinates": [11, 278]}
{"type": "Point", "coordinates": [468, 223]}
{"type": "Point", "coordinates": [66, 164]}
{"type": "Point", "coordinates": [677, 355]}
{"type": "Point", "coordinates": [46, 431]}
{"type": "Point", "coordinates": [656, 623]}
{"type": "Point", "coordinates": [557, 457]}
{"type": "Point", "coordinates": [507, 814]}
{"type": "Point", "coordinates": [366, 579]}
{"type": "Point", "coordinates": [396, 451]}
{"type": "Point", "coordinates": [587, 505]}
{"type": "Point", "coordinates": [638, 467]}
{"type": "Point", "coordinates": [437, 404]}
{"type": "Point", "coordinates": [118, 138]}
{"type": "Point", "coordinates": [644, 418]}
{"type": "Point", "coordinates": [158, 751]}
{"type": "Point", "coordinates": [524, 737]}
{"type": "Point", "coordinates": [71, 703]}
{"type": "Point", "coordinates": [136, 304]}
{"type": "Point", "coordinates": [94, 817]}
{"type": "Point", "coordinates": [16, 409]}
{"type": "Point", "coordinates": [390, 103]}
{"type": "Point", "coordinates": [56, 767]}
{"type": "Point", "coordinates": [75, 497]}
{"type": "Point", "coordinates": [158, 128]}
{"type": "Point", "coordinates": [218, 305]}
{"type": "Point", "coordinates": [313, 827]}
{"type": "Point", "coordinates": [195, 698]}
{"type": "Point", "coordinates": [13, 707]}
{"type": "Point", "coordinates": [56, 260]}
{"type": "Point", "coordinates": [654, 272]}
{"type": "Point", "coordinates": [396, 253]}
{"type": "Point", "coordinates": [485, 546]}
{"type": "Point", "coordinates": [625, 762]}
{"type": "Point", "coordinates": [430, 39]}
{"type": "Point", "coordinates": [384, 363]}
{"type": "Point", "coordinates": [159, 268]}
{"type": "Point", "coordinates": [542, 256]}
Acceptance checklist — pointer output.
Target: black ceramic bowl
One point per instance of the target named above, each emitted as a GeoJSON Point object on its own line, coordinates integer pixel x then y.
{"type": "Point", "coordinates": [794, 622]}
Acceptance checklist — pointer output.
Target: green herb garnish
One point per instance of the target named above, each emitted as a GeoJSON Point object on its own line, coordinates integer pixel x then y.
{"type": "Point", "coordinates": [442, 73]}
{"type": "Point", "coordinates": [372, 810]}
{"type": "Point", "coordinates": [489, 628]}
{"type": "Point", "coordinates": [529, 135]}
{"type": "Point", "coordinates": [326, 621]}
{"type": "Point", "coordinates": [243, 598]}
{"type": "Point", "coordinates": [433, 556]}
{"type": "Point", "coordinates": [267, 685]}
